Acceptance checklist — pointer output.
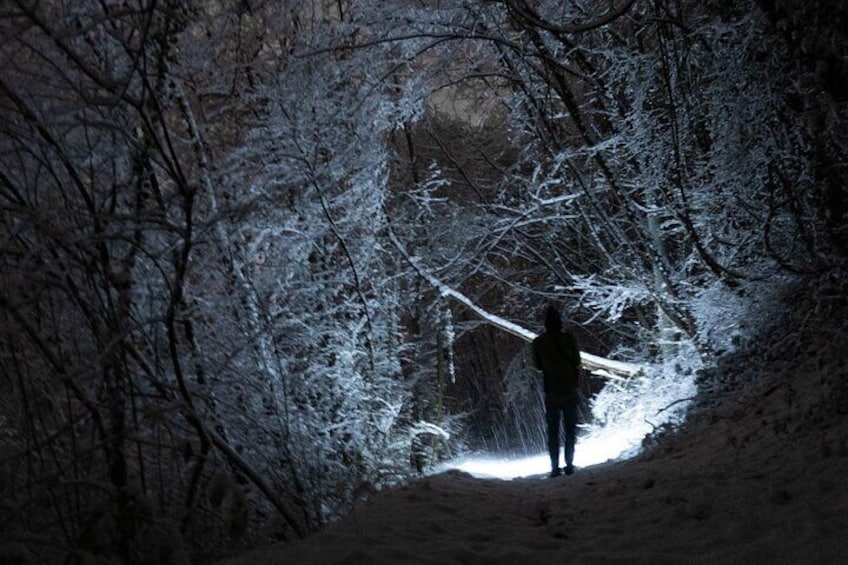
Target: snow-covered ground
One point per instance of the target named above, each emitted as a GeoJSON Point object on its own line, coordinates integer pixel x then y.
{"type": "Point", "coordinates": [599, 447]}
{"type": "Point", "coordinates": [757, 475]}
{"type": "Point", "coordinates": [626, 412]}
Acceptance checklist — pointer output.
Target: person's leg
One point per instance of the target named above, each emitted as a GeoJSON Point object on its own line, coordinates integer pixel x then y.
{"type": "Point", "coordinates": [552, 416]}
{"type": "Point", "coordinates": [570, 422]}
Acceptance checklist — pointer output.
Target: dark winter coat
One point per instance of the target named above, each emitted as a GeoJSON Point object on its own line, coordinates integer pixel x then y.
{"type": "Point", "coordinates": [556, 354]}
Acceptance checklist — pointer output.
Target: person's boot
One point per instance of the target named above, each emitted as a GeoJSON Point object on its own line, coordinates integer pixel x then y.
{"type": "Point", "coordinates": [569, 469]}
{"type": "Point", "coordinates": [555, 472]}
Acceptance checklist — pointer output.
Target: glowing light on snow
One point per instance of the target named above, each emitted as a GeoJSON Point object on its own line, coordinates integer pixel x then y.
{"type": "Point", "coordinates": [625, 411]}
{"type": "Point", "coordinates": [603, 445]}
{"type": "Point", "coordinates": [619, 439]}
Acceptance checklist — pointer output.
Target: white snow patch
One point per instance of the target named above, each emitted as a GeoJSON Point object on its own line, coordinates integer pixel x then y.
{"type": "Point", "coordinates": [598, 447]}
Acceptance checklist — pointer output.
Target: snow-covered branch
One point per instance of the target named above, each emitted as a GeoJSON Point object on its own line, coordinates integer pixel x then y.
{"type": "Point", "coordinates": [597, 365]}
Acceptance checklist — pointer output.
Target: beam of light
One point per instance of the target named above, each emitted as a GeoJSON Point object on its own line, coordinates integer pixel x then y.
{"type": "Point", "coordinates": [628, 411]}
{"type": "Point", "coordinates": [610, 443]}
{"type": "Point", "coordinates": [597, 447]}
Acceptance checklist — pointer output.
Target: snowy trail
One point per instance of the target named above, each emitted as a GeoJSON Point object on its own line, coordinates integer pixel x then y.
{"type": "Point", "coordinates": [694, 499]}
{"type": "Point", "coordinates": [683, 507]}
{"type": "Point", "coordinates": [758, 477]}
{"type": "Point", "coordinates": [600, 447]}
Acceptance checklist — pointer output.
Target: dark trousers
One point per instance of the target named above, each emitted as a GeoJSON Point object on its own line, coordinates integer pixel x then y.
{"type": "Point", "coordinates": [561, 410]}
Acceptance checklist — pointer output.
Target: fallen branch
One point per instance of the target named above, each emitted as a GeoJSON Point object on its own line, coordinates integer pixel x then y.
{"type": "Point", "coordinates": [600, 366]}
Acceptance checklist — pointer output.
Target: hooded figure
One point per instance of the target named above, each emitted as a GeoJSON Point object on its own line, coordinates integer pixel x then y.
{"type": "Point", "coordinates": [556, 354]}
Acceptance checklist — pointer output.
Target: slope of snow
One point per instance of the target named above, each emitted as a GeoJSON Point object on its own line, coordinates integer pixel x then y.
{"type": "Point", "coordinates": [757, 475]}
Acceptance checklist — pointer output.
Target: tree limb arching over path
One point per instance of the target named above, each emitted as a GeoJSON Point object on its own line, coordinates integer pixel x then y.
{"type": "Point", "coordinates": [595, 364]}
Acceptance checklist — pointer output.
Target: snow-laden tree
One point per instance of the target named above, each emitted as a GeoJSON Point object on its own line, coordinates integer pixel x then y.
{"type": "Point", "coordinates": [639, 161]}
{"type": "Point", "coordinates": [311, 177]}
{"type": "Point", "coordinates": [201, 319]}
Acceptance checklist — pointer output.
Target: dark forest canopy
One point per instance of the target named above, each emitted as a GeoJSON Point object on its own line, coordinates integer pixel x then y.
{"type": "Point", "coordinates": [217, 216]}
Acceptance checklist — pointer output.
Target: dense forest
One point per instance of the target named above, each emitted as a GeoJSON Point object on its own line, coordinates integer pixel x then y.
{"type": "Point", "coordinates": [241, 237]}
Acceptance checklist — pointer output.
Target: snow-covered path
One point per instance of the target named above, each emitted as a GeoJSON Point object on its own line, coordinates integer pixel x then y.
{"type": "Point", "coordinates": [734, 493]}
{"type": "Point", "coordinates": [594, 449]}
{"type": "Point", "coordinates": [757, 476]}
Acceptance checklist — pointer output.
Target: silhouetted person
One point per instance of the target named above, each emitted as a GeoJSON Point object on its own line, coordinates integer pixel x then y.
{"type": "Point", "coordinates": [555, 353]}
